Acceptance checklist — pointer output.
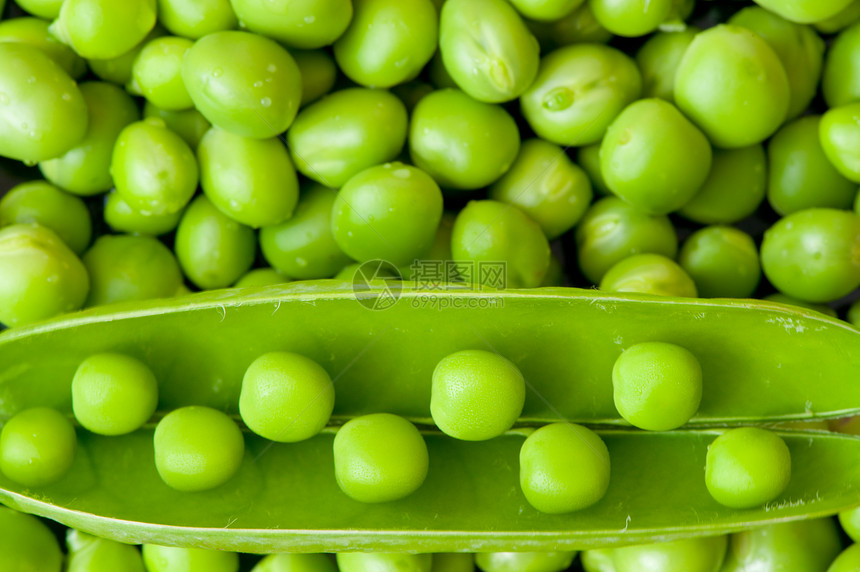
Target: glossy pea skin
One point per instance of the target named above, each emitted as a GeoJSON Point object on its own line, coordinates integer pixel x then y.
{"type": "Point", "coordinates": [261, 277]}
{"type": "Point", "coordinates": [809, 544]}
{"type": "Point", "coordinates": [658, 60]}
{"type": "Point", "coordinates": [303, 246]}
{"type": "Point", "coordinates": [631, 18]}
{"type": "Point", "coordinates": [37, 447]}
{"type": "Point", "coordinates": [588, 158]}
{"type": "Point", "coordinates": [85, 168]}
{"type": "Point", "coordinates": [305, 24]}
{"type": "Point", "coordinates": [687, 555]}
{"type": "Point", "coordinates": [118, 70]}
{"type": "Point", "coordinates": [26, 544]}
{"type": "Point", "coordinates": [839, 21]}
{"type": "Point", "coordinates": [295, 563]}
{"type": "Point", "coordinates": [187, 123]}
{"type": "Point", "coordinates": [487, 49]}
{"type": "Point", "coordinates": [847, 561]}
{"type": "Point", "coordinates": [804, 11]}
{"type": "Point", "coordinates": [40, 277]}
{"type": "Point", "coordinates": [153, 169]}
{"type": "Point", "coordinates": [384, 562]}
{"type": "Point", "coordinates": [722, 261]}
{"type": "Point", "coordinates": [388, 41]}
{"type": "Point", "coordinates": [47, 9]}
{"type": "Point", "coordinates": [798, 47]}
{"type": "Point", "coordinates": [286, 397]}
{"type": "Point", "coordinates": [461, 142]}
{"type": "Point", "coordinates": [113, 394]}
{"type": "Point", "coordinates": [612, 230]}
{"type": "Point", "coordinates": [799, 174]}
{"type": "Point", "coordinates": [476, 395]}
{"type": "Point", "coordinates": [578, 92]}
{"type": "Point", "coordinates": [244, 83]}
{"type": "Point", "coordinates": [197, 449]}
{"type": "Point", "coordinates": [346, 132]}
{"type": "Point", "coordinates": [813, 254]}
{"type": "Point", "coordinates": [578, 27]}
{"type": "Point", "coordinates": [122, 218]}
{"type": "Point", "coordinates": [379, 458]}
{"type": "Point", "coordinates": [841, 82]}
{"type": "Point", "coordinates": [564, 467]}
{"type": "Point", "coordinates": [43, 203]}
{"type": "Point", "coordinates": [734, 189]}
{"type": "Point", "coordinates": [34, 31]}
{"type": "Point", "coordinates": [43, 113]}
{"type": "Point", "coordinates": [103, 29]}
{"type": "Point", "coordinates": [747, 467]}
{"type": "Point", "coordinates": [196, 18]}
{"type": "Point", "coordinates": [546, 185]}
{"type": "Point", "coordinates": [850, 522]}
{"type": "Point", "coordinates": [213, 249]}
{"type": "Point", "coordinates": [649, 274]}
{"type": "Point", "coordinates": [90, 553]}
{"type": "Point", "coordinates": [318, 71]}
{"type": "Point", "coordinates": [732, 85]}
{"type": "Point", "coordinates": [176, 559]}
{"type": "Point", "coordinates": [840, 139]}
{"type": "Point", "coordinates": [653, 157]}
{"type": "Point", "coordinates": [546, 11]}
{"type": "Point", "coordinates": [490, 232]}
{"type": "Point", "coordinates": [524, 561]}
{"type": "Point", "coordinates": [157, 73]}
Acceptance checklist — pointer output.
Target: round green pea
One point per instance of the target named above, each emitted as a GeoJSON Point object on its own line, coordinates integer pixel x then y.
{"type": "Point", "coordinates": [196, 18]}
{"type": "Point", "coordinates": [261, 277]}
{"type": "Point", "coordinates": [732, 85]}
{"type": "Point", "coordinates": [34, 31]}
{"type": "Point", "coordinates": [42, 111]}
{"type": "Point", "coordinates": [850, 521]}
{"type": "Point", "coordinates": [631, 18]}
{"type": "Point", "coordinates": [104, 29]}
{"type": "Point", "coordinates": [244, 83]}
{"type": "Point", "coordinates": [113, 394]}
{"type": "Point", "coordinates": [563, 468]}
{"type": "Point", "coordinates": [40, 277]}
{"type": "Point", "coordinates": [286, 397]}
{"type": "Point", "coordinates": [47, 9]}
{"type": "Point", "coordinates": [118, 70]}
{"type": "Point", "coordinates": [649, 274]}
{"type": "Point", "coordinates": [177, 559]}
{"type": "Point", "coordinates": [804, 11]}
{"type": "Point", "coordinates": [781, 298]}
{"type": "Point", "coordinates": [384, 562]}
{"type": "Point", "coordinates": [840, 139]}
{"type": "Point", "coordinates": [318, 71]}
{"type": "Point", "coordinates": [808, 544]}
{"type": "Point", "coordinates": [847, 561]}
{"type": "Point", "coordinates": [476, 395]}
{"type": "Point", "coordinates": [379, 458]}
{"type": "Point", "coordinates": [578, 92]}
{"type": "Point", "coordinates": [122, 218]}
{"type": "Point", "coordinates": [453, 562]}
{"type": "Point", "coordinates": [747, 467]}
{"type": "Point", "coordinates": [347, 132]}
{"type": "Point", "coordinates": [26, 544]}
{"type": "Point", "coordinates": [296, 563]}
{"type": "Point", "coordinates": [687, 555]}
{"type": "Point", "coordinates": [546, 185]}
{"type": "Point", "coordinates": [839, 21]}
{"type": "Point", "coordinates": [197, 448]}
{"type": "Point", "coordinates": [213, 249]}
{"type": "Point", "coordinates": [578, 27]}
{"type": "Point", "coordinates": [43, 203]}
{"type": "Point", "coordinates": [305, 24]}
{"type": "Point", "coordinates": [157, 73]}
{"type": "Point", "coordinates": [461, 142]}
{"type": "Point", "coordinates": [658, 59]}
{"type": "Point", "coordinates": [37, 447]}
{"type": "Point", "coordinates": [841, 83]}
{"type": "Point", "coordinates": [546, 10]}
{"type": "Point", "coordinates": [524, 561]}
{"type": "Point", "coordinates": [187, 123]}
{"type": "Point", "coordinates": [387, 42]}
{"type": "Point", "coordinates": [588, 158]}
{"type": "Point", "coordinates": [657, 386]}
{"type": "Point", "coordinates": [90, 553]}
{"type": "Point", "coordinates": [722, 261]}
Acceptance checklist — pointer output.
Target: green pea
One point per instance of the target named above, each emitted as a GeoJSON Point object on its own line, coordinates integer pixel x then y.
{"type": "Point", "coordinates": [790, 301]}
{"type": "Point", "coordinates": [90, 553]}
{"type": "Point", "coordinates": [37, 447]}
{"type": "Point", "coordinates": [853, 314]}
{"type": "Point", "coordinates": [547, 186]}
{"type": "Point", "coordinates": [35, 32]}
{"type": "Point", "coordinates": [811, 254]}
{"type": "Point", "coordinates": [295, 563]}
{"type": "Point", "coordinates": [85, 168]}
{"type": "Point", "coordinates": [659, 58]}
{"type": "Point", "coordinates": [491, 235]}
{"type": "Point", "coordinates": [26, 544]}
{"type": "Point", "coordinates": [804, 11]}
{"type": "Point", "coordinates": [841, 83]}
{"type": "Point", "coordinates": [546, 11]}
{"type": "Point", "coordinates": [578, 27]}
{"type": "Point", "coordinates": [104, 29]}
{"type": "Point", "coordinates": [122, 218]}
{"type": "Point", "coordinates": [113, 394]}
{"type": "Point", "coordinates": [847, 561]}
{"type": "Point", "coordinates": [286, 397]}
{"type": "Point", "coordinates": [850, 521]}
{"type": "Point", "coordinates": [118, 70]}
{"type": "Point", "coordinates": [453, 562]}
{"type": "Point", "coordinates": [734, 189]}
{"type": "Point", "coordinates": [196, 449]}
{"type": "Point", "coordinates": [384, 562]}
{"type": "Point", "coordinates": [524, 561]}
{"type": "Point", "coordinates": [303, 246]}
{"type": "Point", "coordinates": [687, 555]}
{"type": "Point", "coordinates": [649, 274]}
{"type": "Point", "coordinates": [809, 544]}
{"type": "Point", "coordinates": [318, 71]}
{"type": "Point", "coordinates": [798, 47]}
{"type": "Point", "coordinates": [125, 268]}
{"type": "Point", "coordinates": [461, 142]}
{"type": "Point", "coordinates": [243, 83]}
{"type": "Point", "coordinates": [40, 277]}
{"type": "Point", "coordinates": [487, 49]}
{"type": "Point", "coordinates": [347, 132]}
{"type": "Point", "coordinates": [47, 9]}
{"type": "Point", "coordinates": [476, 395]}
{"type": "Point", "coordinates": [722, 261]}
{"type": "Point", "coordinates": [177, 559]}
{"type": "Point", "coordinates": [747, 467]}
{"type": "Point", "coordinates": [305, 24]}
{"type": "Point", "coordinates": [588, 158]}
{"type": "Point", "coordinates": [196, 18]}
{"type": "Point", "coordinates": [555, 275]}
{"type": "Point", "coordinates": [612, 230]}
{"type": "Point", "coordinates": [839, 21]}
{"type": "Point", "coordinates": [213, 249]}
{"type": "Point", "coordinates": [840, 139]}
{"type": "Point", "coordinates": [43, 203]}
{"type": "Point", "coordinates": [387, 212]}
{"type": "Point", "coordinates": [42, 111]}
{"type": "Point", "coordinates": [187, 123]}
{"type": "Point", "coordinates": [157, 73]}
{"type": "Point", "coordinates": [379, 458]}
{"type": "Point", "coordinates": [261, 277]}
{"type": "Point", "coordinates": [631, 18]}
{"type": "Point", "coordinates": [388, 41]}
{"type": "Point", "coordinates": [732, 84]}
{"type": "Point", "coordinates": [578, 92]}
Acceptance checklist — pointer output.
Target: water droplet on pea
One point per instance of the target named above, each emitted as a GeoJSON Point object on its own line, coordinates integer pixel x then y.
{"type": "Point", "coordinates": [258, 84]}
{"type": "Point", "coordinates": [272, 68]}
{"type": "Point", "coordinates": [266, 101]}
{"type": "Point", "coordinates": [558, 99]}
{"type": "Point", "coordinates": [402, 173]}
